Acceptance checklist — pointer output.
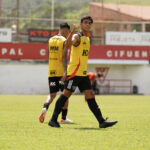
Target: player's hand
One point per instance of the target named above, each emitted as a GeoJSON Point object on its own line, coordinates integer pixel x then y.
{"type": "Point", "coordinates": [63, 79]}
{"type": "Point", "coordinates": [75, 27]}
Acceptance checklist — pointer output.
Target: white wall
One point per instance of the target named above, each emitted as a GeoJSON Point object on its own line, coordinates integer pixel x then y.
{"type": "Point", "coordinates": [31, 78]}
{"type": "Point", "coordinates": [23, 78]}
{"type": "Point", "coordinates": [138, 74]}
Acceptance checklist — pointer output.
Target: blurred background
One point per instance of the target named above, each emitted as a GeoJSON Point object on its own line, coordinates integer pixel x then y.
{"type": "Point", "coordinates": [120, 43]}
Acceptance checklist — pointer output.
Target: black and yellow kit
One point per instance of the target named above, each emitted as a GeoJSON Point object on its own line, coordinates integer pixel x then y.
{"type": "Point", "coordinates": [55, 56]}
{"type": "Point", "coordinates": [77, 68]}
{"type": "Point", "coordinates": [79, 57]}
{"type": "Point", "coordinates": [55, 70]}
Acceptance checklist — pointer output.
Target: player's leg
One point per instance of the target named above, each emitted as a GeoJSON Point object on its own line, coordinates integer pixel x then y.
{"type": "Point", "coordinates": [58, 108]}
{"type": "Point", "coordinates": [93, 106]}
{"type": "Point", "coordinates": [53, 88]}
{"type": "Point", "coordinates": [48, 101]}
{"type": "Point", "coordinates": [70, 86]}
{"type": "Point", "coordinates": [64, 118]}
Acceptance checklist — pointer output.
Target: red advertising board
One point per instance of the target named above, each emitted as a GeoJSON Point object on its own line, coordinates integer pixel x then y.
{"type": "Point", "coordinates": [38, 51]}
{"type": "Point", "coordinates": [17, 51]}
{"type": "Point", "coordinates": [120, 52]}
{"type": "Point", "coordinates": [40, 35]}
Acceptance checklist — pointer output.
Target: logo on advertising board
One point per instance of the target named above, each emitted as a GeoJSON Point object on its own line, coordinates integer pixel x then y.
{"type": "Point", "coordinates": [5, 35]}
{"type": "Point", "coordinates": [103, 71]}
{"type": "Point", "coordinates": [127, 38]}
{"type": "Point", "coordinates": [127, 54]}
{"type": "Point", "coordinates": [40, 35]}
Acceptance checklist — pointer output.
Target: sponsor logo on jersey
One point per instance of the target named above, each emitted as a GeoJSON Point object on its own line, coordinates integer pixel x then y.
{"type": "Point", "coordinates": [54, 48]}
{"type": "Point", "coordinates": [85, 53]}
{"type": "Point", "coordinates": [52, 83]}
{"type": "Point", "coordinates": [60, 82]}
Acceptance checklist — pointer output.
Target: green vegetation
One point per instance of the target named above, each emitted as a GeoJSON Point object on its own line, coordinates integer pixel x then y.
{"type": "Point", "coordinates": [21, 130]}
{"type": "Point", "coordinates": [31, 11]}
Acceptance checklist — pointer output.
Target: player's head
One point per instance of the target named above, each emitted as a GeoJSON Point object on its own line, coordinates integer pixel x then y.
{"type": "Point", "coordinates": [86, 23]}
{"type": "Point", "coordinates": [64, 29]}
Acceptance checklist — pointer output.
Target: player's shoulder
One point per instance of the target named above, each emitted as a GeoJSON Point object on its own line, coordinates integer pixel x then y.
{"type": "Point", "coordinates": [61, 37]}
{"type": "Point", "coordinates": [58, 37]}
{"type": "Point", "coordinates": [80, 33]}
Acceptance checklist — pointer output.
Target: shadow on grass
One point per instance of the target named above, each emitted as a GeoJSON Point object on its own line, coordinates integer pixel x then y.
{"type": "Point", "coordinates": [63, 123]}
{"type": "Point", "coordinates": [69, 123]}
{"type": "Point", "coordinates": [85, 128]}
{"type": "Point", "coordinates": [96, 128]}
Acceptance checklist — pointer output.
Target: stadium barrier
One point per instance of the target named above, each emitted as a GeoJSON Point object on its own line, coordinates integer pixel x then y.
{"type": "Point", "coordinates": [115, 86]}
{"type": "Point", "coordinates": [38, 51]}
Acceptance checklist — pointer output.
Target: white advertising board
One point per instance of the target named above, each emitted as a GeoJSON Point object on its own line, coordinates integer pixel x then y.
{"type": "Point", "coordinates": [127, 38]}
{"type": "Point", "coordinates": [5, 35]}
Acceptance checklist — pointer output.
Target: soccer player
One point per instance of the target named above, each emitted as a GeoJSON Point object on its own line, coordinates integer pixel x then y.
{"type": "Point", "coordinates": [92, 77]}
{"type": "Point", "coordinates": [77, 76]}
{"type": "Point", "coordinates": [58, 46]}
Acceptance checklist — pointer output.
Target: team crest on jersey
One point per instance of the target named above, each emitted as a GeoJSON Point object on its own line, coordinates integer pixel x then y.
{"type": "Point", "coordinates": [84, 42]}
{"type": "Point", "coordinates": [84, 72]}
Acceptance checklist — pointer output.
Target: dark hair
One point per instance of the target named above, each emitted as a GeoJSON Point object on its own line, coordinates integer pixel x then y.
{"type": "Point", "coordinates": [64, 25]}
{"type": "Point", "coordinates": [86, 17]}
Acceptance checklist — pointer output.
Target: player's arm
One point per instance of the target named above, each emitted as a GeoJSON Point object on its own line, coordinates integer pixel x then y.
{"type": "Point", "coordinates": [69, 40]}
{"type": "Point", "coordinates": [66, 46]}
{"type": "Point", "coordinates": [64, 62]}
{"type": "Point", "coordinates": [64, 59]}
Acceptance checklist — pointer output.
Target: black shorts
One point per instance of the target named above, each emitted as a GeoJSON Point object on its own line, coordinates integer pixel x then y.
{"type": "Point", "coordinates": [82, 82]}
{"type": "Point", "coordinates": [55, 84]}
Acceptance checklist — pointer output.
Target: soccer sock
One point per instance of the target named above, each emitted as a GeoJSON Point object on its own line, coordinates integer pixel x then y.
{"type": "Point", "coordinates": [95, 109]}
{"type": "Point", "coordinates": [64, 113]}
{"type": "Point", "coordinates": [46, 105]}
{"type": "Point", "coordinates": [58, 107]}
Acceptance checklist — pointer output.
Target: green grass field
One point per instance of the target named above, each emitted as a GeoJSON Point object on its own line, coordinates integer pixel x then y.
{"type": "Point", "coordinates": [20, 128]}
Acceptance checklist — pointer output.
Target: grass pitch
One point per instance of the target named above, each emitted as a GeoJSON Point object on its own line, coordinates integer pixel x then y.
{"type": "Point", "coordinates": [20, 128]}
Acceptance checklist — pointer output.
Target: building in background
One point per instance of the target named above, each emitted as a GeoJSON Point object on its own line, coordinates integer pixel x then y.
{"type": "Point", "coordinates": [112, 17]}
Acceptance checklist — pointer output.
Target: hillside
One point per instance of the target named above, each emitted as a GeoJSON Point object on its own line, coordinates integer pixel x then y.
{"type": "Point", "coordinates": [27, 6]}
{"type": "Point", "coordinates": [64, 9]}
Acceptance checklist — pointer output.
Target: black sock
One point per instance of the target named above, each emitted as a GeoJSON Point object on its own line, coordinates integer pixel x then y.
{"type": "Point", "coordinates": [58, 107]}
{"type": "Point", "coordinates": [46, 105]}
{"type": "Point", "coordinates": [95, 109]}
{"type": "Point", "coordinates": [64, 113]}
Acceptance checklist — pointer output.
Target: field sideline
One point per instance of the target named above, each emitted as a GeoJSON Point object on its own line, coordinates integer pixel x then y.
{"type": "Point", "coordinates": [21, 130]}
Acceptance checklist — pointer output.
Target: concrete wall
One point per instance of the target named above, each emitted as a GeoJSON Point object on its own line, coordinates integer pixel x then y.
{"type": "Point", "coordinates": [23, 78]}
{"type": "Point", "coordinates": [31, 78]}
{"type": "Point", "coordinates": [138, 74]}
